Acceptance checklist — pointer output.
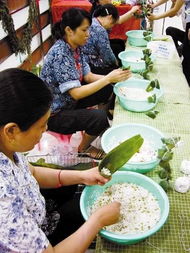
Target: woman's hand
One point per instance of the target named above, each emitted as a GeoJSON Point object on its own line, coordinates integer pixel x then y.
{"type": "Point", "coordinates": [152, 17]}
{"type": "Point", "coordinates": [92, 177]}
{"type": "Point", "coordinates": [108, 214]}
{"type": "Point", "coordinates": [118, 75]}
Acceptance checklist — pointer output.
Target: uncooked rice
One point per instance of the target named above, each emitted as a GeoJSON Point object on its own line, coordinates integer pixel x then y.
{"type": "Point", "coordinates": [135, 94]}
{"type": "Point", "coordinates": [139, 211]}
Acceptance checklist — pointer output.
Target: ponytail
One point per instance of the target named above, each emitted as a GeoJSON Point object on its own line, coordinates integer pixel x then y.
{"type": "Point", "coordinates": [57, 31]}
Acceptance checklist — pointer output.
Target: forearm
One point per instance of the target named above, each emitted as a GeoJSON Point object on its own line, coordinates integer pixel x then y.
{"type": "Point", "coordinates": [123, 18]}
{"type": "Point", "coordinates": [89, 89]}
{"type": "Point", "coordinates": [170, 13]}
{"type": "Point", "coordinates": [81, 239]}
{"type": "Point", "coordinates": [50, 178]}
{"type": "Point", "coordinates": [158, 3]}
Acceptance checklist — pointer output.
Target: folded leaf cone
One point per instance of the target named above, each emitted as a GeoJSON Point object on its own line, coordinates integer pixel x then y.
{"type": "Point", "coordinates": [118, 156]}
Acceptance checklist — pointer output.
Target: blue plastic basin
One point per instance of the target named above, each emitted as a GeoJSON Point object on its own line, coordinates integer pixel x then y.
{"type": "Point", "coordinates": [136, 38]}
{"type": "Point", "coordinates": [134, 105]}
{"type": "Point", "coordinates": [91, 193]}
{"type": "Point", "coordinates": [123, 132]}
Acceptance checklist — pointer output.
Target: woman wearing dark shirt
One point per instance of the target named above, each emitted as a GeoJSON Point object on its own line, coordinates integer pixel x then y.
{"type": "Point", "coordinates": [117, 45]}
{"type": "Point", "coordinates": [65, 70]}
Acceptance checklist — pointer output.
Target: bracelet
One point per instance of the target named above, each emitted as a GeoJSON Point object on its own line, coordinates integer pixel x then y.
{"type": "Point", "coordinates": [59, 179]}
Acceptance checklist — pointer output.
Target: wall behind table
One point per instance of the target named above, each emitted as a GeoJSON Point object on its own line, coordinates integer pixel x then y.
{"type": "Point", "coordinates": [19, 12]}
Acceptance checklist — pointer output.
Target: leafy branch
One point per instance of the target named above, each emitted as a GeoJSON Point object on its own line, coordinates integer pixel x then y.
{"type": "Point", "coordinates": [148, 63]}
{"type": "Point", "coordinates": [165, 154]}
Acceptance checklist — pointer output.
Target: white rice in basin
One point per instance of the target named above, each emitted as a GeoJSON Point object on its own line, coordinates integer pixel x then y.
{"type": "Point", "coordinates": [135, 94]}
{"type": "Point", "coordinates": [139, 211]}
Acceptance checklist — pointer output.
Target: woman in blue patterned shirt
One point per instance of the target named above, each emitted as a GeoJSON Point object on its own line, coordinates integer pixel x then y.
{"type": "Point", "coordinates": [97, 50]}
{"type": "Point", "coordinates": [73, 85]}
{"type": "Point", "coordinates": [24, 111]}
{"type": "Point", "coordinates": [117, 45]}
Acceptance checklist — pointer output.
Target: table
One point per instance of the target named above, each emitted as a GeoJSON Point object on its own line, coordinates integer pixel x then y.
{"type": "Point", "coordinates": [173, 120]}
{"type": "Point", "coordinates": [118, 32]}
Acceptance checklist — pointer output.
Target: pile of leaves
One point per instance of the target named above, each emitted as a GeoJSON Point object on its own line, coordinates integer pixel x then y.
{"type": "Point", "coordinates": [165, 154]}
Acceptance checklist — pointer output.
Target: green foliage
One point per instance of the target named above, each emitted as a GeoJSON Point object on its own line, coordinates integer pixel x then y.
{"type": "Point", "coordinates": [153, 84]}
{"type": "Point", "coordinates": [152, 99]}
{"type": "Point", "coordinates": [118, 156]}
{"type": "Point", "coordinates": [165, 154]}
{"type": "Point", "coordinates": [148, 63]}
{"type": "Point", "coordinates": [152, 114]}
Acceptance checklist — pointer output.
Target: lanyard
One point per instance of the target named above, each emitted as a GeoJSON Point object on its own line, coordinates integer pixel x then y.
{"type": "Point", "coordinates": [77, 63]}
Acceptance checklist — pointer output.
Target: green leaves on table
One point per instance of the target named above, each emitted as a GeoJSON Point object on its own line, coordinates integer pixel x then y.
{"type": "Point", "coordinates": [165, 154]}
{"type": "Point", "coordinates": [78, 166]}
{"type": "Point", "coordinates": [153, 84]}
{"type": "Point", "coordinates": [152, 114]}
{"type": "Point", "coordinates": [42, 163]}
{"type": "Point", "coordinates": [152, 99]}
{"type": "Point", "coordinates": [148, 63]}
{"type": "Point", "coordinates": [118, 156]}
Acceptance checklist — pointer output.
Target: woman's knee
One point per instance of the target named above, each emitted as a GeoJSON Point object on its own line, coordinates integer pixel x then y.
{"type": "Point", "coordinates": [170, 30]}
{"type": "Point", "coordinates": [98, 122]}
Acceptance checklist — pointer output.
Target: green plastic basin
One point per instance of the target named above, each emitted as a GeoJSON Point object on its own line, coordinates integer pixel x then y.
{"type": "Point", "coordinates": [91, 193]}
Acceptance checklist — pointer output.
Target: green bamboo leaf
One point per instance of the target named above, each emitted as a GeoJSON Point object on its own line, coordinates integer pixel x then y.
{"type": "Point", "coordinates": [170, 142]}
{"type": "Point", "coordinates": [152, 114]}
{"type": "Point", "coordinates": [118, 156]}
{"type": "Point", "coordinates": [150, 67]}
{"type": "Point", "coordinates": [152, 99]}
{"type": "Point", "coordinates": [163, 174]}
{"type": "Point", "coordinates": [161, 152]}
{"type": "Point", "coordinates": [41, 163]}
{"type": "Point", "coordinates": [165, 165]}
{"type": "Point", "coordinates": [165, 185]}
{"type": "Point", "coordinates": [149, 38]}
{"type": "Point", "coordinates": [147, 51]}
{"type": "Point", "coordinates": [157, 85]}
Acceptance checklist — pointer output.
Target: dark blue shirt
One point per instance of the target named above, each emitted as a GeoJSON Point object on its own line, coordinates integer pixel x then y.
{"type": "Point", "coordinates": [60, 72]}
{"type": "Point", "coordinates": [97, 50]}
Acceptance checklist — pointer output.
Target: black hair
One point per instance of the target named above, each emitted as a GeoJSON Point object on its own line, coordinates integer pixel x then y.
{"type": "Point", "coordinates": [24, 98]}
{"type": "Point", "coordinates": [73, 18]}
{"type": "Point", "coordinates": [95, 4]}
{"type": "Point", "coordinates": [105, 10]}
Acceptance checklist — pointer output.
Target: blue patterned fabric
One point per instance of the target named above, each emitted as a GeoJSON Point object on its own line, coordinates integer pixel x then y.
{"type": "Point", "coordinates": [187, 7]}
{"type": "Point", "coordinates": [60, 74]}
{"type": "Point", "coordinates": [22, 208]}
{"type": "Point", "coordinates": [97, 50]}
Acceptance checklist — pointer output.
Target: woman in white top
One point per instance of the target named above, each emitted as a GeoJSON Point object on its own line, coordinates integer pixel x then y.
{"type": "Point", "coordinates": [186, 44]}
